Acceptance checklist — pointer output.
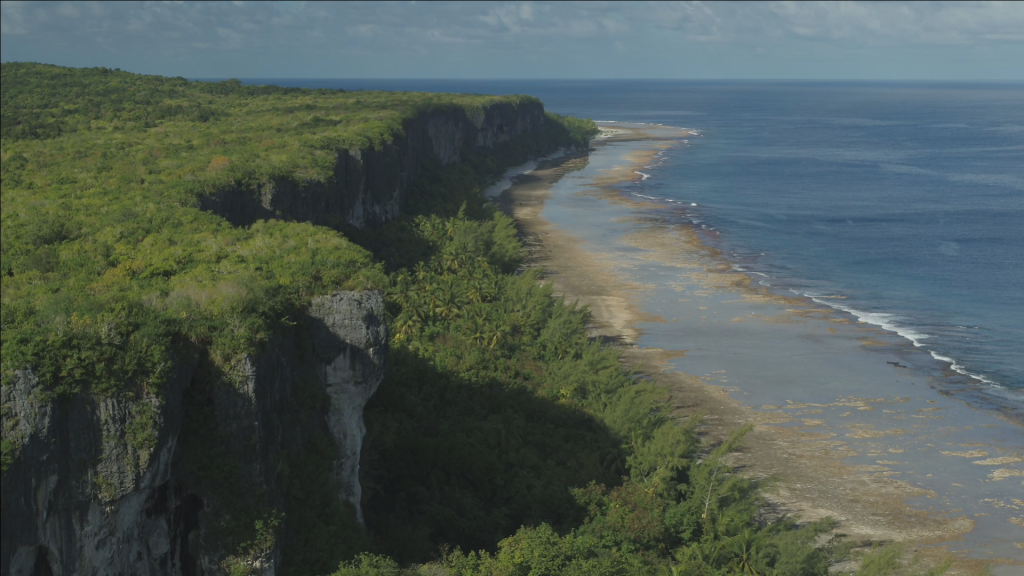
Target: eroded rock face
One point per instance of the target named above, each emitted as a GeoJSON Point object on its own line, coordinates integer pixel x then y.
{"type": "Point", "coordinates": [350, 339]}
{"type": "Point", "coordinates": [86, 477]}
{"type": "Point", "coordinates": [98, 486]}
{"type": "Point", "coordinates": [369, 185]}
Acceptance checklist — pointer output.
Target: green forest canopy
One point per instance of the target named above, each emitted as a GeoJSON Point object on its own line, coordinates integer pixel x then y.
{"type": "Point", "coordinates": [105, 253]}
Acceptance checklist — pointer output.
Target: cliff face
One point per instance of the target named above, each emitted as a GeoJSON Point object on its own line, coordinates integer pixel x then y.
{"type": "Point", "coordinates": [195, 478]}
{"type": "Point", "coordinates": [370, 186]}
{"type": "Point", "coordinates": [350, 340]}
{"type": "Point", "coordinates": [102, 486]}
{"type": "Point", "coordinates": [81, 492]}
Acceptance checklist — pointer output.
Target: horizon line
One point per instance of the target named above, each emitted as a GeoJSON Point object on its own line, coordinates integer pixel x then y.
{"type": "Point", "coordinates": [523, 78]}
{"type": "Point", "coordinates": [601, 79]}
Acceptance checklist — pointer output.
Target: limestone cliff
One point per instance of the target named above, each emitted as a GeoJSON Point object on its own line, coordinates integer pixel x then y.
{"type": "Point", "coordinates": [102, 486]}
{"type": "Point", "coordinates": [350, 368]}
{"type": "Point", "coordinates": [200, 475]}
{"type": "Point", "coordinates": [370, 186]}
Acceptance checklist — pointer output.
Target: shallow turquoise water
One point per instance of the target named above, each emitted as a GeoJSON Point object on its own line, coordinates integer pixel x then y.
{"type": "Point", "coordinates": [861, 392]}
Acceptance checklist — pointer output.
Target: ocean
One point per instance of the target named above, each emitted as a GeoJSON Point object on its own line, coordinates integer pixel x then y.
{"type": "Point", "coordinates": [898, 208]}
{"type": "Point", "coordinates": [901, 203]}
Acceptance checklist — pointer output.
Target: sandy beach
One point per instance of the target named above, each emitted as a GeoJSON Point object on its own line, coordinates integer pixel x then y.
{"type": "Point", "coordinates": [735, 352]}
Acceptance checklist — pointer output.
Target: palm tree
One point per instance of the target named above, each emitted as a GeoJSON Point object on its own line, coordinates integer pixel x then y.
{"type": "Point", "coordinates": [405, 326]}
{"type": "Point", "coordinates": [477, 291]}
{"type": "Point", "coordinates": [421, 272]}
{"type": "Point", "coordinates": [477, 331]}
{"type": "Point", "coordinates": [499, 335]}
{"type": "Point", "coordinates": [706, 552]}
{"type": "Point", "coordinates": [670, 571]}
{"type": "Point", "coordinates": [746, 549]}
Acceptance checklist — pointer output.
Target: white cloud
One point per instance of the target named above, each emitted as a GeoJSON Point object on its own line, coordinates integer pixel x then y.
{"type": "Point", "coordinates": [498, 32]}
{"type": "Point", "coordinates": [903, 22]}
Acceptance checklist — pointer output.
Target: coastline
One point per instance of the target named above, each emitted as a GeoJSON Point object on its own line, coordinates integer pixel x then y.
{"type": "Point", "coordinates": [791, 445]}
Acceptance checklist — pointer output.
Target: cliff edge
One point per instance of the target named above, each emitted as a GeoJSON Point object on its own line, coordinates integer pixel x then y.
{"type": "Point", "coordinates": [370, 186]}
{"type": "Point", "coordinates": [86, 495]}
{"type": "Point", "coordinates": [217, 468]}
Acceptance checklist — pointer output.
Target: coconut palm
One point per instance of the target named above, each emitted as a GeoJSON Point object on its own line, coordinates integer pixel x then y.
{"type": "Point", "coordinates": [746, 550]}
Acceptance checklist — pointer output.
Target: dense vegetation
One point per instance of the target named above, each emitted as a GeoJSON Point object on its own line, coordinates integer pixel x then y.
{"type": "Point", "coordinates": [504, 440]}
{"type": "Point", "coordinates": [105, 254]}
{"type": "Point", "coordinates": [507, 442]}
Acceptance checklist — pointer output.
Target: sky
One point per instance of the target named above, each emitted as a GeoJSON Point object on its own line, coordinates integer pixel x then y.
{"type": "Point", "coordinates": [506, 40]}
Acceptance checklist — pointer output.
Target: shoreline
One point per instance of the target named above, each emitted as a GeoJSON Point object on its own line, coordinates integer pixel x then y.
{"type": "Point", "coordinates": [808, 478]}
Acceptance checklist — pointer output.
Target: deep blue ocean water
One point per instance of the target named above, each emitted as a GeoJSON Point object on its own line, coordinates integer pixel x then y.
{"type": "Point", "coordinates": [904, 199]}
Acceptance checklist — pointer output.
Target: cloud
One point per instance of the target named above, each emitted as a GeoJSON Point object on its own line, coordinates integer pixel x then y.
{"type": "Point", "coordinates": [492, 34]}
{"type": "Point", "coordinates": [913, 23]}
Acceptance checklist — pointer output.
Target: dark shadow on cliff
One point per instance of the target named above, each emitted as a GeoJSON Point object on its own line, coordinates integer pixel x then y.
{"type": "Point", "coordinates": [44, 481]}
{"type": "Point", "coordinates": [441, 191]}
{"type": "Point", "coordinates": [259, 454]}
{"type": "Point", "coordinates": [450, 462]}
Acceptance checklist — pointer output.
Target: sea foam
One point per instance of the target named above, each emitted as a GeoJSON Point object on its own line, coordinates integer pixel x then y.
{"type": "Point", "coordinates": [890, 322]}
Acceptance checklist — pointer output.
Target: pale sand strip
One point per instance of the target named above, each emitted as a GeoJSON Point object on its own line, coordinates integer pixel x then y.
{"type": "Point", "coordinates": [808, 479]}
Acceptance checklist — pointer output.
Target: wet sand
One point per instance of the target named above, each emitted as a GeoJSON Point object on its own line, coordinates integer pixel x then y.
{"type": "Point", "coordinates": [896, 461]}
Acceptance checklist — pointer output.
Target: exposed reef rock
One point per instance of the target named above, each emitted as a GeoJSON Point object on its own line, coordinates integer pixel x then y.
{"type": "Point", "coordinates": [101, 486]}
{"type": "Point", "coordinates": [370, 185]}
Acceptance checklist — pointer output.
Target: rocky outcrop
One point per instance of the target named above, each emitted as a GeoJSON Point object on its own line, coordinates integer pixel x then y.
{"type": "Point", "coordinates": [370, 185]}
{"type": "Point", "coordinates": [100, 486]}
{"type": "Point", "coordinates": [86, 477]}
{"type": "Point", "coordinates": [350, 368]}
